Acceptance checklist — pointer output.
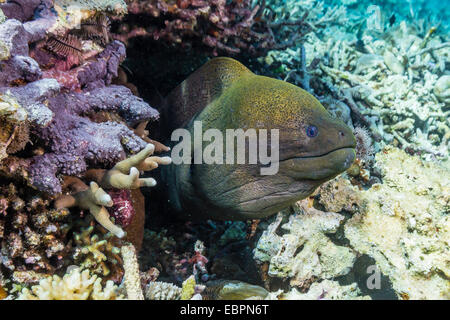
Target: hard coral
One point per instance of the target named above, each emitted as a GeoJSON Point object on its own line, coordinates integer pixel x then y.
{"type": "Point", "coordinates": [158, 290]}
{"type": "Point", "coordinates": [74, 285]}
{"type": "Point", "coordinates": [97, 252]}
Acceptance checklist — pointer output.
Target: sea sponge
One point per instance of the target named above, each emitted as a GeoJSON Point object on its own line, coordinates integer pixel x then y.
{"type": "Point", "coordinates": [188, 289]}
{"type": "Point", "coordinates": [74, 285]}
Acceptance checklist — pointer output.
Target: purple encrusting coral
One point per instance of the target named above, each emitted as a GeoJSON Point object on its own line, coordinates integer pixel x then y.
{"type": "Point", "coordinates": [60, 103]}
{"type": "Point", "coordinates": [74, 139]}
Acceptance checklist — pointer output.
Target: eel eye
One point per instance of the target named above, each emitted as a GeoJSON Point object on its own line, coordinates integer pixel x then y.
{"type": "Point", "coordinates": [312, 131]}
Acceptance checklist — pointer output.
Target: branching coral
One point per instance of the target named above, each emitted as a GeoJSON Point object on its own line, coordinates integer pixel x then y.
{"type": "Point", "coordinates": [391, 86]}
{"type": "Point", "coordinates": [94, 199]}
{"type": "Point", "coordinates": [124, 175]}
{"type": "Point", "coordinates": [98, 253]}
{"type": "Point", "coordinates": [74, 285]}
{"type": "Point", "coordinates": [158, 290]}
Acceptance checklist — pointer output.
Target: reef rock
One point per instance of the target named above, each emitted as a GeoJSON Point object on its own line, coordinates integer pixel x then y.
{"type": "Point", "coordinates": [325, 290]}
{"type": "Point", "coordinates": [404, 225]}
{"type": "Point", "coordinates": [304, 252]}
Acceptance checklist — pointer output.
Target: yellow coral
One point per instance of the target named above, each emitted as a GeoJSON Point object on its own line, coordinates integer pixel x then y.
{"type": "Point", "coordinates": [75, 285]}
{"type": "Point", "coordinates": [98, 254]}
{"type": "Point", "coordinates": [188, 288]}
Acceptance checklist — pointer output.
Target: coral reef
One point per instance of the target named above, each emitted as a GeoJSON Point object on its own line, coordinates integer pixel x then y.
{"type": "Point", "coordinates": [64, 125]}
{"type": "Point", "coordinates": [75, 151]}
{"type": "Point", "coordinates": [401, 222]}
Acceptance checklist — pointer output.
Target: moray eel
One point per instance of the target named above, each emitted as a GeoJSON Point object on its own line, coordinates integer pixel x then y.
{"type": "Point", "coordinates": [313, 146]}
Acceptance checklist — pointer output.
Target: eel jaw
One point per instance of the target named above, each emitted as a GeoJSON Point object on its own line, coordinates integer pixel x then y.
{"type": "Point", "coordinates": [297, 178]}
{"type": "Point", "coordinates": [319, 168]}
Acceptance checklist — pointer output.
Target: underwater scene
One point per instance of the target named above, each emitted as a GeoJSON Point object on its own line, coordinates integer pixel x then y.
{"type": "Point", "coordinates": [224, 150]}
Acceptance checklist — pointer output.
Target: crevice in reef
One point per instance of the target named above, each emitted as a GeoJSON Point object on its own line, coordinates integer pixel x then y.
{"type": "Point", "coordinates": [360, 273]}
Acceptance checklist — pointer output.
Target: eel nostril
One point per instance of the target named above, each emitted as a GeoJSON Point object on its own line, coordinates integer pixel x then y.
{"type": "Point", "coordinates": [341, 134]}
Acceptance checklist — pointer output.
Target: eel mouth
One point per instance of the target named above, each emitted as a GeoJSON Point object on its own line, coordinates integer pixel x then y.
{"type": "Point", "coordinates": [322, 167]}
{"type": "Point", "coordinates": [297, 178]}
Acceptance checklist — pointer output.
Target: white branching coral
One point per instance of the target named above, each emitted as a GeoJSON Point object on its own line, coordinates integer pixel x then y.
{"type": "Point", "coordinates": [74, 285]}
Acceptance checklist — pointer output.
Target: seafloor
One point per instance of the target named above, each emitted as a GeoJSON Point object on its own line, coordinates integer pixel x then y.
{"type": "Point", "coordinates": [80, 85]}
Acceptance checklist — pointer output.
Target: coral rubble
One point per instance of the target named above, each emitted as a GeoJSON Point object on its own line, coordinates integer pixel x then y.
{"type": "Point", "coordinates": [393, 80]}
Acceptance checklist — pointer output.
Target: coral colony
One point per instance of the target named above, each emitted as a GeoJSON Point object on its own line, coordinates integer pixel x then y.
{"type": "Point", "coordinates": [82, 154]}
